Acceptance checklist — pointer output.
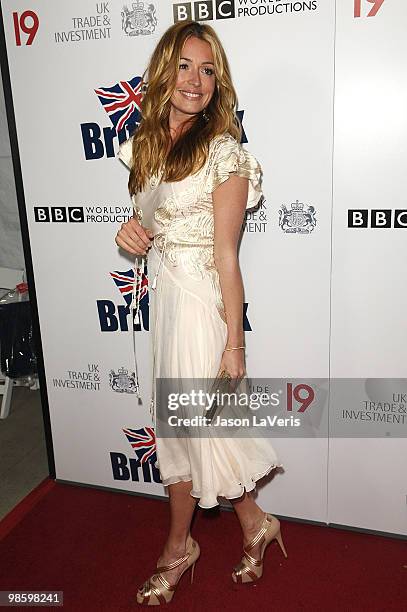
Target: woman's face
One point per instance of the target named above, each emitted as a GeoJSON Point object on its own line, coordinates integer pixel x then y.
{"type": "Point", "coordinates": [196, 79]}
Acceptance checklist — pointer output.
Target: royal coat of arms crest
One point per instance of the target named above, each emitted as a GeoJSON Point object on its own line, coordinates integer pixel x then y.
{"type": "Point", "coordinates": [139, 19]}
{"type": "Point", "coordinates": [297, 220]}
{"type": "Point", "coordinates": [123, 382]}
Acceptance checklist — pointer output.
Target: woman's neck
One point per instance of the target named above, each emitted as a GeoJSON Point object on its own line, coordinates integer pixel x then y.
{"type": "Point", "coordinates": [177, 128]}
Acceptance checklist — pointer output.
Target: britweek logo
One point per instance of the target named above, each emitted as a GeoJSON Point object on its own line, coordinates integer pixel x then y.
{"type": "Point", "coordinates": [121, 102]}
{"type": "Point", "coordinates": [114, 317]}
{"type": "Point", "coordinates": [143, 466]}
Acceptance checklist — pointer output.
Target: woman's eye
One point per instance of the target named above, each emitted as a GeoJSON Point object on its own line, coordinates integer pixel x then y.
{"type": "Point", "coordinates": [207, 71]}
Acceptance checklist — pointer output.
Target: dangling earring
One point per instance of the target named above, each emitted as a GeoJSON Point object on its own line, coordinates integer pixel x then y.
{"type": "Point", "coordinates": [205, 116]}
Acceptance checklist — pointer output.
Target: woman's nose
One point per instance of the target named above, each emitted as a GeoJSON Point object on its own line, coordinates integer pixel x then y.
{"type": "Point", "coordinates": [194, 77]}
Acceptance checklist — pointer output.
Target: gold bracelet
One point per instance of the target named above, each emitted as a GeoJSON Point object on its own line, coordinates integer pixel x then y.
{"type": "Point", "coordinates": [234, 348]}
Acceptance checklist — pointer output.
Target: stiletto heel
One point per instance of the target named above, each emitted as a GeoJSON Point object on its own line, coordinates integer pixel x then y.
{"type": "Point", "coordinates": [249, 568]}
{"type": "Point", "coordinates": [280, 541]}
{"type": "Point", "coordinates": [157, 590]}
{"type": "Point", "coordinates": [192, 572]}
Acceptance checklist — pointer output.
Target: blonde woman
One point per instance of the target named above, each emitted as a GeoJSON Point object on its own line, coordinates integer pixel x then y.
{"type": "Point", "coordinates": [191, 182]}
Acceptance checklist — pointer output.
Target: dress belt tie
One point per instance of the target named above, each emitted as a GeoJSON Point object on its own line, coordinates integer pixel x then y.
{"type": "Point", "coordinates": [135, 307]}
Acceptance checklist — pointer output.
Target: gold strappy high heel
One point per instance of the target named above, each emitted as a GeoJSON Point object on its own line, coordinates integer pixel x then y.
{"type": "Point", "coordinates": [251, 569]}
{"type": "Point", "coordinates": [157, 590]}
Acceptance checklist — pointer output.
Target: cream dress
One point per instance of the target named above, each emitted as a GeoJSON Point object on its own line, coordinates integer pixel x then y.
{"type": "Point", "coordinates": [187, 319]}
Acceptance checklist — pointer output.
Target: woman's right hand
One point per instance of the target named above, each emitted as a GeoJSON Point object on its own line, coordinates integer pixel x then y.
{"type": "Point", "coordinates": [133, 237]}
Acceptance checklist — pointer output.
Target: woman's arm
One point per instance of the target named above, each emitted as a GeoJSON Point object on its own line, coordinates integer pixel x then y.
{"type": "Point", "coordinates": [229, 203]}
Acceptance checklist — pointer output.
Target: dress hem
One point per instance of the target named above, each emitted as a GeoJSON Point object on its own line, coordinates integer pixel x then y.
{"type": "Point", "coordinates": [246, 487]}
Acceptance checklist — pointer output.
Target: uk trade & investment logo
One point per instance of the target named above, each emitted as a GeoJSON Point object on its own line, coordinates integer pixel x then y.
{"type": "Point", "coordinates": [377, 218]}
{"type": "Point", "coordinates": [114, 317]}
{"type": "Point", "coordinates": [90, 379]}
{"type": "Point", "coordinates": [299, 219]}
{"type": "Point", "coordinates": [143, 466]}
{"type": "Point", "coordinates": [87, 27]}
{"type": "Point", "coordinates": [140, 19]}
{"type": "Point", "coordinates": [207, 10]}
{"type": "Point", "coordinates": [256, 219]}
{"type": "Point", "coordinates": [122, 102]}
{"type": "Point", "coordinates": [83, 380]}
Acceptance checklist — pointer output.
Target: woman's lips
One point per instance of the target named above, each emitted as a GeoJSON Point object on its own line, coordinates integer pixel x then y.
{"type": "Point", "coordinates": [190, 96]}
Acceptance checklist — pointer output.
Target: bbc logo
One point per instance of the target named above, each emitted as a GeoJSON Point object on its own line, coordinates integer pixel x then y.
{"type": "Point", "coordinates": [204, 10]}
{"type": "Point", "coordinates": [58, 214]}
{"type": "Point", "coordinates": [377, 218]}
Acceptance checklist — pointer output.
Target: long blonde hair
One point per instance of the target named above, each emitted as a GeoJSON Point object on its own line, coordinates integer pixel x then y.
{"type": "Point", "coordinates": [152, 139]}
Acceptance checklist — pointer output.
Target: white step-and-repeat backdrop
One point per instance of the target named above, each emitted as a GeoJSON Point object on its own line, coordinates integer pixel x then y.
{"type": "Point", "coordinates": [322, 95]}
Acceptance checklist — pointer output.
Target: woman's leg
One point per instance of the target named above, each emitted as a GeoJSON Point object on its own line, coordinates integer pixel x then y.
{"type": "Point", "coordinates": [182, 506]}
{"type": "Point", "coordinates": [251, 517]}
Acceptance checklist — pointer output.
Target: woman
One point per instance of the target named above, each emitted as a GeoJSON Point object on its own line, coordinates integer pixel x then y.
{"type": "Point", "coordinates": [192, 179]}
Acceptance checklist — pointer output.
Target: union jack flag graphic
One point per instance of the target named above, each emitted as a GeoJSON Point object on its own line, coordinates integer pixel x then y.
{"type": "Point", "coordinates": [122, 102]}
{"type": "Point", "coordinates": [125, 280]}
{"type": "Point", "coordinates": [143, 443]}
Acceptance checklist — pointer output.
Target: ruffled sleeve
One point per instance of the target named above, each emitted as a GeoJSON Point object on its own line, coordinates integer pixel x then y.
{"type": "Point", "coordinates": [125, 152]}
{"type": "Point", "coordinates": [231, 157]}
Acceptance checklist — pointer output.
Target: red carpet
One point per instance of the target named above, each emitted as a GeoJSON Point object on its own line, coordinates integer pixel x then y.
{"type": "Point", "coordinates": [98, 546]}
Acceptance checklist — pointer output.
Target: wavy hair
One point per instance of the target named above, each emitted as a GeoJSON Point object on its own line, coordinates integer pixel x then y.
{"type": "Point", "coordinates": [152, 138]}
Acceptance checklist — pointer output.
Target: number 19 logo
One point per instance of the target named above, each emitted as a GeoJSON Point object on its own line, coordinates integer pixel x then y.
{"type": "Point", "coordinates": [28, 23]}
{"type": "Point", "coordinates": [373, 11]}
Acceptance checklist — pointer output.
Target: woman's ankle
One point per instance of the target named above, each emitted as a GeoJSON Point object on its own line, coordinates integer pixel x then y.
{"type": "Point", "coordinates": [176, 546]}
{"type": "Point", "coordinates": [253, 523]}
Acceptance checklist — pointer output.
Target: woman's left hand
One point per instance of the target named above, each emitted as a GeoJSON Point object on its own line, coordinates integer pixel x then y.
{"type": "Point", "coordinates": [234, 363]}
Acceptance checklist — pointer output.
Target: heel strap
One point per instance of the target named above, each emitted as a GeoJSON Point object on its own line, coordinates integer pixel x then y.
{"type": "Point", "coordinates": [174, 564]}
{"type": "Point", "coordinates": [258, 536]}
